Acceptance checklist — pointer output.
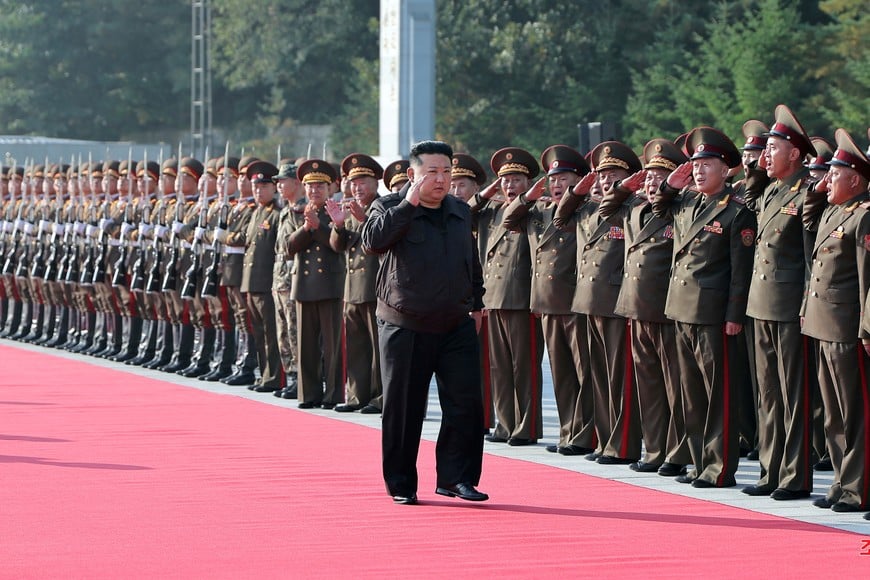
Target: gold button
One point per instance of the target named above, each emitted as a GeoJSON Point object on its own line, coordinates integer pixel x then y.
{"type": "Point", "coordinates": [305, 272]}
{"type": "Point", "coordinates": [683, 282]}
{"type": "Point", "coordinates": [549, 277]}
{"type": "Point", "coordinates": [320, 270]}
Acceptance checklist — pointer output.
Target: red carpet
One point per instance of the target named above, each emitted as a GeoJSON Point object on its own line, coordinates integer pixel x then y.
{"type": "Point", "coordinates": [109, 475]}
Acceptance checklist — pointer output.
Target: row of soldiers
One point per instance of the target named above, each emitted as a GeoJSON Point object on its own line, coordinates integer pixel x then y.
{"type": "Point", "coordinates": [188, 268]}
{"type": "Point", "coordinates": [685, 314]}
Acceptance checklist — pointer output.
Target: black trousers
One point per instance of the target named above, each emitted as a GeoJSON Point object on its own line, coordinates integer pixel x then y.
{"type": "Point", "coordinates": [408, 361]}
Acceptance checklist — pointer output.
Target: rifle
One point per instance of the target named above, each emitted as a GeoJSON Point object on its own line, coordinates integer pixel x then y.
{"type": "Point", "coordinates": [170, 280]}
{"type": "Point", "coordinates": [119, 275]}
{"type": "Point", "coordinates": [191, 277]}
{"type": "Point", "coordinates": [153, 284]}
{"type": "Point", "coordinates": [137, 276]}
{"type": "Point", "coordinates": [212, 275]}
{"type": "Point", "coordinates": [51, 264]}
{"type": "Point", "coordinates": [23, 264]}
{"type": "Point", "coordinates": [11, 253]}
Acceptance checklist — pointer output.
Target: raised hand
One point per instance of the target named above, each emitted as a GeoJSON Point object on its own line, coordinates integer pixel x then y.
{"type": "Point", "coordinates": [335, 211]}
{"type": "Point", "coordinates": [537, 190]}
{"type": "Point", "coordinates": [356, 210]}
{"type": "Point", "coordinates": [633, 182]}
{"type": "Point", "coordinates": [490, 190]}
{"type": "Point", "coordinates": [584, 186]}
{"type": "Point", "coordinates": [681, 176]}
{"type": "Point", "coordinates": [413, 196]}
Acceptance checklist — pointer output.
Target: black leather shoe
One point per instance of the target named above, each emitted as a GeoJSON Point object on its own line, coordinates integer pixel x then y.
{"type": "Point", "coordinates": [307, 405]}
{"type": "Point", "coordinates": [867, 516]}
{"type": "Point", "coordinates": [843, 507]}
{"type": "Point", "coordinates": [592, 456]}
{"type": "Point", "coordinates": [289, 392]}
{"type": "Point", "coordinates": [752, 455]}
{"type": "Point", "coordinates": [345, 408]}
{"type": "Point", "coordinates": [405, 499]}
{"type": "Point", "coordinates": [464, 491]}
{"type": "Point", "coordinates": [194, 371]}
{"type": "Point", "coordinates": [496, 439]}
{"type": "Point", "coordinates": [824, 465]}
{"type": "Point", "coordinates": [553, 448]}
{"type": "Point", "coordinates": [608, 460]}
{"type": "Point", "coordinates": [685, 478]}
{"type": "Point", "coordinates": [265, 389]}
{"type": "Point", "coordinates": [757, 490]}
{"type": "Point", "coordinates": [520, 442]}
{"type": "Point", "coordinates": [823, 503]}
{"type": "Point", "coordinates": [643, 467]}
{"type": "Point", "coordinates": [672, 469]}
{"type": "Point", "coordinates": [370, 410]}
{"type": "Point", "coordinates": [572, 450]}
{"type": "Point", "coordinates": [327, 406]}
{"type": "Point", "coordinates": [781, 494]}
{"type": "Point", "coordinates": [239, 379]}
{"type": "Point", "coordinates": [702, 483]}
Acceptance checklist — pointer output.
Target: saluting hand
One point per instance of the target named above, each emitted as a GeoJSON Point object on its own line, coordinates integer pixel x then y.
{"type": "Point", "coordinates": [537, 190]}
{"type": "Point", "coordinates": [413, 196]}
{"type": "Point", "coordinates": [490, 190]}
{"type": "Point", "coordinates": [584, 186]}
{"type": "Point", "coordinates": [681, 176]}
{"type": "Point", "coordinates": [634, 181]}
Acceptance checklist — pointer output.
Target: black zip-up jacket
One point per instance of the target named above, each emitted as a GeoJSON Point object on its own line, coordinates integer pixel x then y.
{"type": "Point", "coordinates": [429, 277]}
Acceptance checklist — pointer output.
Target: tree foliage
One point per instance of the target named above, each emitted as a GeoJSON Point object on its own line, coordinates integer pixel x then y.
{"type": "Point", "coordinates": [521, 73]}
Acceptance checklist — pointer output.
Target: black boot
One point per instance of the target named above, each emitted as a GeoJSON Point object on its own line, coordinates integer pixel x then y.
{"type": "Point", "coordinates": [132, 338]}
{"type": "Point", "coordinates": [116, 341]}
{"type": "Point", "coordinates": [61, 327]}
{"type": "Point", "coordinates": [36, 326]}
{"type": "Point", "coordinates": [49, 323]}
{"type": "Point", "coordinates": [183, 350]}
{"type": "Point", "coordinates": [165, 346]}
{"type": "Point", "coordinates": [246, 362]}
{"type": "Point", "coordinates": [97, 333]}
{"type": "Point", "coordinates": [13, 318]}
{"type": "Point", "coordinates": [225, 353]}
{"type": "Point", "coordinates": [201, 362]}
{"type": "Point", "coordinates": [149, 344]}
{"type": "Point", "coordinates": [24, 322]}
{"type": "Point", "coordinates": [74, 329]}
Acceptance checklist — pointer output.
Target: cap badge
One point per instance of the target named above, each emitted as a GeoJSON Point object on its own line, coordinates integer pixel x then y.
{"type": "Point", "coordinates": [701, 147]}
{"type": "Point", "coordinates": [658, 147]}
{"type": "Point", "coordinates": [315, 165]}
{"type": "Point", "coordinates": [607, 150]}
{"type": "Point", "coordinates": [260, 176]}
{"type": "Point", "coordinates": [455, 162]}
{"type": "Point", "coordinates": [556, 163]}
{"type": "Point", "coordinates": [354, 160]}
{"type": "Point", "coordinates": [509, 156]}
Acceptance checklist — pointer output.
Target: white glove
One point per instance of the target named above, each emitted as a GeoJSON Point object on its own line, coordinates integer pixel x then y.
{"type": "Point", "coordinates": [106, 224]}
{"type": "Point", "coordinates": [44, 225]}
{"type": "Point", "coordinates": [126, 229]}
{"type": "Point", "coordinates": [20, 223]}
{"type": "Point", "coordinates": [91, 231]}
{"type": "Point", "coordinates": [145, 229]}
{"type": "Point", "coordinates": [5, 227]}
{"type": "Point", "coordinates": [198, 233]}
{"type": "Point", "coordinates": [79, 228]}
{"type": "Point", "coordinates": [177, 227]}
{"type": "Point", "coordinates": [160, 232]}
{"type": "Point", "coordinates": [28, 228]}
{"type": "Point", "coordinates": [58, 229]}
{"type": "Point", "coordinates": [221, 235]}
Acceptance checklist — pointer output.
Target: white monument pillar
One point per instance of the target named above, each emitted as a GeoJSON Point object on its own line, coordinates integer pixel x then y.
{"type": "Point", "coordinates": [407, 88]}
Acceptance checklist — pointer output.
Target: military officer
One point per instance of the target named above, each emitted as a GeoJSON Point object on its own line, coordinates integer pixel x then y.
{"type": "Point", "coordinates": [396, 175]}
{"type": "Point", "coordinates": [554, 279]}
{"type": "Point", "coordinates": [318, 279]}
{"type": "Point", "coordinates": [831, 311]}
{"type": "Point", "coordinates": [649, 243]}
{"type": "Point", "coordinates": [294, 200]}
{"type": "Point", "coordinates": [257, 276]}
{"type": "Point", "coordinates": [362, 370]}
{"type": "Point", "coordinates": [514, 334]}
{"type": "Point", "coordinates": [779, 269]}
{"type": "Point", "coordinates": [714, 236]}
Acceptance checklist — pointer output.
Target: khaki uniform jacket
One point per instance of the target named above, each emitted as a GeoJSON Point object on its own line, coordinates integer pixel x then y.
{"type": "Point", "coordinates": [507, 264]}
{"type": "Point", "coordinates": [362, 268]}
{"type": "Point", "coordinates": [649, 250]}
{"type": "Point", "coordinates": [288, 221]}
{"type": "Point", "coordinates": [232, 264]}
{"type": "Point", "coordinates": [554, 267]}
{"type": "Point", "coordinates": [600, 256]}
{"type": "Point", "coordinates": [318, 270]}
{"type": "Point", "coordinates": [712, 257]}
{"type": "Point", "coordinates": [840, 276]}
{"type": "Point", "coordinates": [260, 250]}
{"type": "Point", "coordinates": [780, 264]}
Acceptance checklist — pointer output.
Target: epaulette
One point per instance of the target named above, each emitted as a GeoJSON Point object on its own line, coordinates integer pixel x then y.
{"type": "Point", "coordinates": [866, 204]}
{"type": "Point", "coordinates": [738, 199]}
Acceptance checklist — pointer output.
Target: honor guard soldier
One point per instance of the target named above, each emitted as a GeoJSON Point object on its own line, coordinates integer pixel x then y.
{"type": "Point", "coordinates": [835, 296]}
{"type": "Point", "coordinates": [396, 175]}
{"type": "Point", "coordinates": [318, 280]}
{"type": "Point", "coordinates": [290, 189]}
{"type": "Point", "coordinates": [714, 236]}
{"type": "Point", "coordinates": [554, 278]}
{"type": "Point", "coordinates": [257, 276]}
{"type": "Point", "coordinates": [363, 369]}
{"type": "Point", "coordinates": [513, 332]}
{"type": "Point", "coordinates": [649, 245]}
{"type": "Point", "coordinates": [775, 293]}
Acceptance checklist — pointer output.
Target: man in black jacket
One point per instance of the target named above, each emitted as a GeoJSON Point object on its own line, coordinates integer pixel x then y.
{"type": "Point", "coordinates": [429, 291]}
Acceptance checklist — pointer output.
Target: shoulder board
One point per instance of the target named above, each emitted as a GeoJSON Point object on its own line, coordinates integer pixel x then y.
{"type": "Point", "coordinates": [866, 204]}
{"type": "Point", "coordinates": [797, 185]}
{"type": "Point", "coordinates": [738, 199]}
